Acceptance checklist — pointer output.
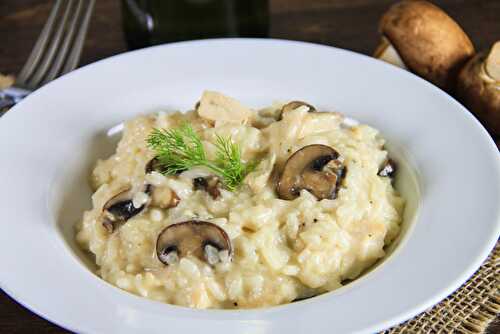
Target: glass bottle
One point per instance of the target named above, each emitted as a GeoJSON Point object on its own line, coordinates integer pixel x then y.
{"type": "Point", "coordinates": [150, 22]}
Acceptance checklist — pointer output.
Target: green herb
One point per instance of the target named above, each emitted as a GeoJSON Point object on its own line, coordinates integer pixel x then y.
{"type": "Point", "coordinates": [180, 149]}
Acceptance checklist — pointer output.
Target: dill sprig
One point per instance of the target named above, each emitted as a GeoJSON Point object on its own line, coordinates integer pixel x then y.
{"type": "Point", "coordinates": [181, 148]}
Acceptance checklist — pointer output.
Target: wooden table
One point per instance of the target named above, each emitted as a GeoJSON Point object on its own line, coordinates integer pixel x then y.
{"type": "Point", "coordinates": [350, 24]}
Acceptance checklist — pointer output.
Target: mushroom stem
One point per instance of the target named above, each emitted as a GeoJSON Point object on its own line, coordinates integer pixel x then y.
{"type": "Point", "coordinates": [492, 64]}
{"type": "Point", "coordinates": [386, 52]}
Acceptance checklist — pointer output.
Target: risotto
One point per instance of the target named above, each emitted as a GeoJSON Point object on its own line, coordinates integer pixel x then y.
{"type": "Point", "coordinates": [265, 206]}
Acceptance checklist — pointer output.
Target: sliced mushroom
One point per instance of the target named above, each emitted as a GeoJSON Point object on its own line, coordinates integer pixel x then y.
{"type": "Point", "coordinates": [209, 183]}
{"type": "Point", "coordinates": [421, 37]}
{"type": "Point", "coordinates": [124, 206]}
{"type": "Point", "coordinates": [316, 168]}
{"type": "Point", "coordinates": [161, 196]}
{"type": "Point", "coordinates": [201, 239]}
{"type": "Point", "coordinates": [388, 169]}
{"type": "Point", "coordinates": [294, 105]}
{"type": "Point", "coordinates": [153, 165]}
{"type": "Point", "coordinates": [479, 88]}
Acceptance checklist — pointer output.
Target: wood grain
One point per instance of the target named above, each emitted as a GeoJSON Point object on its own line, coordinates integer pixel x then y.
{"type": "Point", "coordinates": [350, 24]}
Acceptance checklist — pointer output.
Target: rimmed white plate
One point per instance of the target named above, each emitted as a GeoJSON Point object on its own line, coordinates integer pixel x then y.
{"type": "Point", "coordinates": [49, 141]}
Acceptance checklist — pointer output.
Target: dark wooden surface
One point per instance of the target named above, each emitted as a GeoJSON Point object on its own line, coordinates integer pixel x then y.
{"type": "Point", "coordinates": [350, 24]}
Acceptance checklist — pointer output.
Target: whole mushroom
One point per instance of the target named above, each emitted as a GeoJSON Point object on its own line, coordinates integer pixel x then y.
{"type": "Point", "coordinates": [478, 88]}
{"type": "Point", "coordinates": [419, 36]}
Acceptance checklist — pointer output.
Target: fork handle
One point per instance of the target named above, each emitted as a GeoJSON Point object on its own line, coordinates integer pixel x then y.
{"type": "Point", "coordinates": [10, 96]}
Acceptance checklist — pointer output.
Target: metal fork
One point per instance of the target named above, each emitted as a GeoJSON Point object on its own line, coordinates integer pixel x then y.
{"type": "Point", "coordinates": [56, 52]}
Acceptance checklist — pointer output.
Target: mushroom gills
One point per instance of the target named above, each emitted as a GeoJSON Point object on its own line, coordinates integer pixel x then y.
{"type": "Point", "coordinates": [201, 239]}
{"type": "Point", "coordinates": [316, 168]}
{"type": "Point", "coordinates": [121, 208]}
{"type": "Point", "coordinates": [209, 183]}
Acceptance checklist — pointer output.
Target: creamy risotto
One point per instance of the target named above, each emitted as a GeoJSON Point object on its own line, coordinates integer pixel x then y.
{"type": "Point", "coordinates": [300, 204]}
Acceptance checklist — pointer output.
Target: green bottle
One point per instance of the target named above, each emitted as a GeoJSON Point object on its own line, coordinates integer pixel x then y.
{"type": "Point", "coordinates": [150, 22]}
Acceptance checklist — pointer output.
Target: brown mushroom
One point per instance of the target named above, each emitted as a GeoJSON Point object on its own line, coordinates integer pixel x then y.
{"type": "Point", "coordinates": [161, 196]}
{"type": "Point", "coordinates": [315, 168]}
{"type": "Point", "coordinates": [209, 183]}
{"type": "Point", "coordinates": [121, 208]}
{"type": "Point", "coordinates": [294, 105]}
{"type": "Point", "coordinates": [201, 239]}
{"type": "Point", "coordinates": [423, 38]}
{"type": "Point", "coordinates": [479, 88]}
{"type": "Point", "coordinates": [152, 166]}
{"type": "Point", "coordinates": [388, 169]}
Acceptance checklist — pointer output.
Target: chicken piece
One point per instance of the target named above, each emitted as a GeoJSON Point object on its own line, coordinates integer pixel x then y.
{"type": "Point", "coordinates": [218, 107]}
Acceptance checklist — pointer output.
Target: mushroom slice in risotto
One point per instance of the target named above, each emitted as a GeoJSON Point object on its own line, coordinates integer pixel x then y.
{"type": "Point", "coordinates": [388, 169]}
{"type": "Point", "coordinates": [193, 237]}
{"type": "Point", "coordinates": [316, 168]}
{"type": "Point", "coordinates": [152, 165]}
{"type": "Point", "coordinates": [161, 196]}
{"type": "Point", "coordinates": [123, 206]}
{"type": "Point", "coordinates": [209, 183]}
{"type": "Point", "coordinates": [294, 105]}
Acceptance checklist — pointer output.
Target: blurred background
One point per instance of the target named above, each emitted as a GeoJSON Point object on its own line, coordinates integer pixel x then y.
{"type": "Point", "coordinates": [349, 24]}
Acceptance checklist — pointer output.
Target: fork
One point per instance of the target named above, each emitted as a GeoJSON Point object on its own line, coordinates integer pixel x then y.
{"type": "Point", "coordinates": [56, 52]}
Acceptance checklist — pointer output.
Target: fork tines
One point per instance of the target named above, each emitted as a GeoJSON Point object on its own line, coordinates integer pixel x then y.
{"type": "Point", "coordinates": [59, 46]}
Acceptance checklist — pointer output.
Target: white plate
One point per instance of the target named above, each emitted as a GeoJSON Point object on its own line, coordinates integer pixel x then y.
{"type": "Point", "coordinates": [49, 141]}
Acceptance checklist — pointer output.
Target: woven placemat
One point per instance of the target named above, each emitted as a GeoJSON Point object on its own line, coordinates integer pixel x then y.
{"type": "Point", "coordinates": [469, 310]}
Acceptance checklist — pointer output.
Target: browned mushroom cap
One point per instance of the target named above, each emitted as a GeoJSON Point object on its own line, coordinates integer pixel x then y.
{"type": "Point", "coordinates": [210, 184]}
{"type": "Point", "coordinates": [294, 105]}
{"type": "Point", "coordinates": [479, 88]}
{"type": "Point", "coordinates": [315, 168]}
{"type": "Point", "coordinates": [197, 238]}
{"type": "Point", "coordinates": [428, 41]}
{"type": "Point", "coordinates": [121, 208]}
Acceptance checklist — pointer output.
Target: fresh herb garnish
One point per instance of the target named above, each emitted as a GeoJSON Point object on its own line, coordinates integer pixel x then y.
{"type": "Point", "coordinates": [181, 148]}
